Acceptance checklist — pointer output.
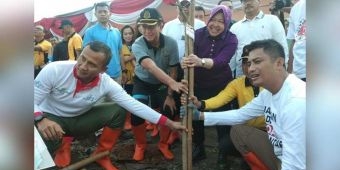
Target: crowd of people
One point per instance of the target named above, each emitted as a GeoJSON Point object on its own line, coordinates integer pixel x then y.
{"type": "Point", "coordinates": [250, 83]}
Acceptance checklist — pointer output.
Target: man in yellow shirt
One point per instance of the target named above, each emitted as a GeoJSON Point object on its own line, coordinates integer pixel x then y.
{"type": "Point", "coordinates": [240, 88]}
{"type": "Point", "coordinates": [74, 40]}
{"type": "Point", "coordinates": [42, 48]}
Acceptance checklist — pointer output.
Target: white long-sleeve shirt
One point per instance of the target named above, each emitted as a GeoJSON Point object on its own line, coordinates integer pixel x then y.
{"type": "Point", "coordinates": [285, 116]}
{"type": "Point", "coordinates": [54, 92]}
{"type": "Point", "coordinates": [297, 31]}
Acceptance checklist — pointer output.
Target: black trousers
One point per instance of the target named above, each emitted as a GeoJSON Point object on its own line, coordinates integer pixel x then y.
{"type": "Point", "coordinates": [226, 147]}
{"type": "Point", "coordinates": [153, 95]}
{"type": "Point", "coordinates": [36, 71]}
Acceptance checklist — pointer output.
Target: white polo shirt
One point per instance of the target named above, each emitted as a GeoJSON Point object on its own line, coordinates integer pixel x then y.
{"type": "Point", "coordinates": [263, 26]}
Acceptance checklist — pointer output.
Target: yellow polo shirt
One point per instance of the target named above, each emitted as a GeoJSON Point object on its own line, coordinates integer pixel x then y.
{"type": "Point", "coordinates": [38, 56]}
{"type": "Point", "coordinates": [243, 91]}
{"type": "Point", "coordinates": [74, 43]}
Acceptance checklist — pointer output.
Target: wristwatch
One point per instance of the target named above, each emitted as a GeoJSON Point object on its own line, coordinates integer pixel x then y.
{"type": "Point", "coordinates": [203, 62]}
{"type": "Point", "coordinates": [39, 118]}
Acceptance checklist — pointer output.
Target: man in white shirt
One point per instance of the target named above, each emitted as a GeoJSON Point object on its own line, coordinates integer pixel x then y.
{"type": "Point", "coordinates": [283, 103]}
{"type": "Point", "coordinates": [200, 13]}
{"type": "Point", "coordinates": [255, 26]}
{"type": "Point", "coordinates": [65, 97]}
{"type": "Point", "coordinates": [297, 34]}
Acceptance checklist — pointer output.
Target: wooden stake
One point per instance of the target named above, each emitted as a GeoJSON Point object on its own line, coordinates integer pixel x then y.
{"type": "Point", "coordinates": [86, 161]}
{"type": "Point", "coordinates": [189, 76]}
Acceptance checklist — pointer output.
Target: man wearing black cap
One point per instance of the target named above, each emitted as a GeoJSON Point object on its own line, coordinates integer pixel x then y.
{"type": "Point", "coordinates": [155, 76]}
{"type": "Point", "coordinates": [73, 39]}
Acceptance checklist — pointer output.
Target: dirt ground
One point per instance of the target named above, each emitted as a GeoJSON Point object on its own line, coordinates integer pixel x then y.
{"type": "Point", "coordinates": [121, 155]}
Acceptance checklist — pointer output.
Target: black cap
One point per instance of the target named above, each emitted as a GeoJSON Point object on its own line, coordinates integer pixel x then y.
{"type": "Point", "coordinates": [150, 16]}
{"type": "Point", "coordinates": [245, 53]}
{"type": "Point", "coordinates": [185, 3]}
{"type": "Point", "coordinates": [65, 22]}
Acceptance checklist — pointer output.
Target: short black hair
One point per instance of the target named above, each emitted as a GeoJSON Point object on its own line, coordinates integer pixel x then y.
{"type": "Point", "coordinates": [199, 8]}
{"type": "Point", "coordinates": [271, 47]}
{"type": "Point", "coordinates": [98, 46]}
{"type": "Point", "coordinates": [101, 4]}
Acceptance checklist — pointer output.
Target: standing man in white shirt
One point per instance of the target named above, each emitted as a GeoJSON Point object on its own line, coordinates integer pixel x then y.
{"type": "Point", "coordinates": [200, 13]}
{"type": "Point", "coordinates": [255, 26]}
{"type": "Point", "coordinates": [297, 34]}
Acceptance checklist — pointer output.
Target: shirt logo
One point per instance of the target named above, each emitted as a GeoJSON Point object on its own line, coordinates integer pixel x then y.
{"type": "Point", "coordinates": [301, 35]}
{"type": "Point", "coordinates": [89, 98]}
{"type": "Point", "coordinates": [62, 91]}
{"type": "Point", "coordinates": [269, 115]}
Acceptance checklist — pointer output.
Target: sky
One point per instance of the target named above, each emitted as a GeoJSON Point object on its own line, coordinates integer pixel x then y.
{"type": "Point", "coordinates": [51, 8]}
